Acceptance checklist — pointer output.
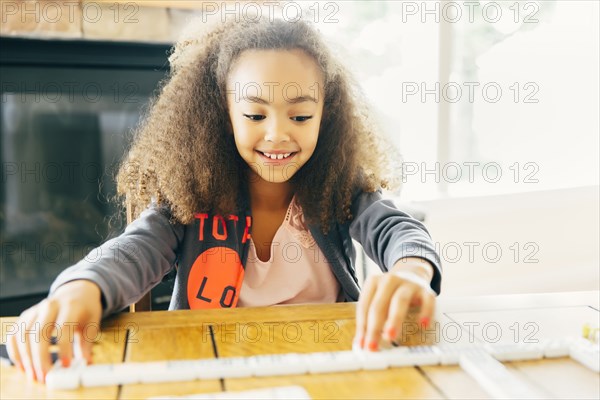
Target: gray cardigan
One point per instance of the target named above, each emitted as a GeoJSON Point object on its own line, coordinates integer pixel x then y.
{"type": "Point", "coordinates": [210, 253]}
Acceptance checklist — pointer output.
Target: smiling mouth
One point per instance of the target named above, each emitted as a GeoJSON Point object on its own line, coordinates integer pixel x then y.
{"type": "Point", "coordinates": [289, 156]}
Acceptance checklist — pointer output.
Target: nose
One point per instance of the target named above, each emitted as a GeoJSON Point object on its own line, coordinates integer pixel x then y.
{"type": "Point", "coordinates": [277, 130]}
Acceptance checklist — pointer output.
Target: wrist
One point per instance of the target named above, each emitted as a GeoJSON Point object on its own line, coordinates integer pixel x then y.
{"type": "Point", "coordinates": [79, 286]}
{"type": "Point", "coordinates": [416, 265]}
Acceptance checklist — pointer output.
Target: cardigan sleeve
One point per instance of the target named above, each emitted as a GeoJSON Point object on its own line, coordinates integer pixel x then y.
{"type": "Point", "coordinates": [388, 234]}
{"type": "Point", "coordinates": [129, 265]}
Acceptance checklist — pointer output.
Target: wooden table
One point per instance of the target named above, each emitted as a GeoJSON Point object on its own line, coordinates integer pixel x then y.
{"type": "Point", "coordinates": [309, 328]}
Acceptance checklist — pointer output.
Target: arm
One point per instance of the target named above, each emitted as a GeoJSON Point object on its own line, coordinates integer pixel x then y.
{"type": "Point", "coordinates": [389, 236]}
{"type": "Point", "coordinates": [120, 271]}
{"type": "Point", "coordinates": [403, 248]}
{"type": "Point", "coordinates": [126, 267]}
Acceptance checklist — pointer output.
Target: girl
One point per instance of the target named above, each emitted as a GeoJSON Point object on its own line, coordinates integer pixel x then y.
{"type": "Point", "coordinates": [253, 171]}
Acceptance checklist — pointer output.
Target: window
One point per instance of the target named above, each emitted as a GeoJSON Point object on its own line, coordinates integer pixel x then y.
{"type": "Point", "coordinates": [480, 97]}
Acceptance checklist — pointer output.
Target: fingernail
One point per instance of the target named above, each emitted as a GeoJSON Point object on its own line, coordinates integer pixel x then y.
{"type": "Point", "coordinates": [391, 333]}
{"type": "Point", "coordinates": [66, 362]}
{"type": "Point", "coordinates": [21, 367]}
{"type": "Point", "coordinates": [373, 345]}
{"type": "Point", "coordinates": [425, 322]}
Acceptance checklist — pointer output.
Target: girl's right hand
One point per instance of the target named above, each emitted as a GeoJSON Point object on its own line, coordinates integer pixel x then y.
{"type": "Point", "coordinates": [70, 309]}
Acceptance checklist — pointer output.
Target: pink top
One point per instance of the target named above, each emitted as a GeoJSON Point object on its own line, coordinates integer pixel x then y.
{"type": "Point", "coordinates": [297, 272]}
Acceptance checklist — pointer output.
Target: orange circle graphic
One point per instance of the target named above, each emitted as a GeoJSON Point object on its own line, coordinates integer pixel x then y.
{"type": "Point", "coordinates": [215, 279]}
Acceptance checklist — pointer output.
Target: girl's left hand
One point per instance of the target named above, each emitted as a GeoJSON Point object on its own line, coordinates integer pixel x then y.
{"type": "Point", "coordinates": [386, 298]}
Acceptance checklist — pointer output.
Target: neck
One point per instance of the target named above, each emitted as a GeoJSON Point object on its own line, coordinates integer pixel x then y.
{"type": "Point", "coordinates": [269, 195]}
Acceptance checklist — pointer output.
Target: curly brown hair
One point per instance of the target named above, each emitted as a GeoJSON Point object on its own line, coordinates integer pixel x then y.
{"type": "Point", "coordinates": [181, 155]}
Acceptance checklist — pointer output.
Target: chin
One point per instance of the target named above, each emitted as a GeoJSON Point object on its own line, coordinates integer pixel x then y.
{"type": "Point", "coordinates": [274, 174]}
{"type": "Point", "coordinates": [276, 179]}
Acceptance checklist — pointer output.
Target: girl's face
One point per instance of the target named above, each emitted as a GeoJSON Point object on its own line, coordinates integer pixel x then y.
{"type": "Point", "coordinates": [275, 102]}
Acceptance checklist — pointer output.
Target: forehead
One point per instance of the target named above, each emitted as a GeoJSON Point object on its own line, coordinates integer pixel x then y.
{"type": "Point", "coordinates": [274, 69]}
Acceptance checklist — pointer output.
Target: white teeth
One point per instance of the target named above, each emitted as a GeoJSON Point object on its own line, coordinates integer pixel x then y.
{"type": "Point", "coordinates": [277, 156]}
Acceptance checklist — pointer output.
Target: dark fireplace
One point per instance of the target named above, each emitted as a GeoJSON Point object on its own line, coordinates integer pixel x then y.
{"type": "Point", "coordinates": [67, 109]}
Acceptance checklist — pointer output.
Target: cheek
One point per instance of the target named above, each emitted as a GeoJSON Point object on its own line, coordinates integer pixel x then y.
{"type": "Point", "coordinates": [245, 140]}
{"type": "Point", "coordinates": [310, 141]}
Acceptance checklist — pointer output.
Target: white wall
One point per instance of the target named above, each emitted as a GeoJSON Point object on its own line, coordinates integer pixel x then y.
{"type": "Point", "coordinates": [560, 228]}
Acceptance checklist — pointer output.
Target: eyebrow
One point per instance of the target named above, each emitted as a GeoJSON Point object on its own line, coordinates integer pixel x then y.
{"type": "Point", "coordinates": [295, 100]}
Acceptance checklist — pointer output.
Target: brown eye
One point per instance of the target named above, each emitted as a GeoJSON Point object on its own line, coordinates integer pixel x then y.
{"type": "Point", "coordinates": [301, 118]}
{"type": "Point", "coordinates": [254, 117]}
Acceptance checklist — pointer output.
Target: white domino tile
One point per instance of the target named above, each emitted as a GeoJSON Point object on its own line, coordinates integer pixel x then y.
{"type": "Point", "coordinates": [515, 351]}
{"type": "Point", "coordinates": [558, 347]}
{"type": "Point", "coordinates": [339, 361]}
{"type": "Point", "coordinates": [66, 378]}
{"type": "Point", "coordinates": [373, 361]}
{"type": "Point", "coordinates": [450, 352]}
{"type": "Point", "coordinates": [228, 367]}
{"type": "Point", "coordinates": [189, 370]}
{"type": "Point", "coordinates": [495, 378]}
{"type": "Point", "coordinates": [422, 355]}
{"type": "Point", "coordinates": [108, 374]}
{"type": "Point", "coordinates": [166, 372]}
{"type": "Point", "coordinates": [586, 353]}
{"type": "Point", "coordinates": [279, 364]}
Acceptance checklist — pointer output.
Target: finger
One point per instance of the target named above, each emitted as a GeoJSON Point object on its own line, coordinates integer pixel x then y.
{"type": "Point", "coordinates": [399, 306]}
{"type": "Point", "coordinates": [378, 311]}
{"type": "Point", "coordinates": [427, 307]}
{"type": "Point", "coordinates": [28, 336]}
{"type": "Point", "coordinates": [362, 308]}
{"type": "Point", "coordinates": [40, 348]}
{"type": "Point", "coordinates": [64, 342]}
{"type": "Point", "coordinates": [13, 351]}
{"type": "Point", "coordinates": [15, 339]}
{"type": "Point", "coordinates": [83, 348]}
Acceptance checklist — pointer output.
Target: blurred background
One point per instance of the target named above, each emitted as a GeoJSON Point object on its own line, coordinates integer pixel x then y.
{"type": "Point", "coordinates": [493, 106]}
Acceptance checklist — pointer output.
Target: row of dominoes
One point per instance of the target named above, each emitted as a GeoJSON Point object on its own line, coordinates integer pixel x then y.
{"type": "Point", "coordinates": [79, 374]}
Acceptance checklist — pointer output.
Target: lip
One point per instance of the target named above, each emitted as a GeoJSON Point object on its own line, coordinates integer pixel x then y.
{"type": "Point", "coordinates": [276, 162]}
{"type": "Point", "coordinates": [277, 151]}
